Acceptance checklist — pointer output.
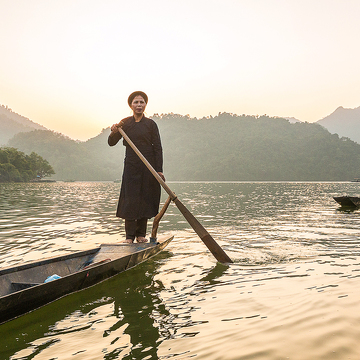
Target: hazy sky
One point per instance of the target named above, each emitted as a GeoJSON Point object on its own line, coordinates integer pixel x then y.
{"type": "Point", "coordinates": [71, 64]}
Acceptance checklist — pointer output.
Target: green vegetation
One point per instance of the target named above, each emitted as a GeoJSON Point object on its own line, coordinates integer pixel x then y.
{"type": "Point", "coordinates": [221, 148]}
{"type": "Point", "coordinates": [232, 147]}
{"type": "Point", "coordinates": [18, 167]}
{"type": "Point", "coordinates": [90, 160]}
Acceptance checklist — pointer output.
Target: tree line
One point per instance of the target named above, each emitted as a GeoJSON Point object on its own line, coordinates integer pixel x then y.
{"type": "Point", "coordinates": [16, 166]}
{"type": "Point", "coordinates": [221, 148]}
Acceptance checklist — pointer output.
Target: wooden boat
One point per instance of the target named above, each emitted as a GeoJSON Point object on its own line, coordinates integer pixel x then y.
{"type": "Point", "coordinates": [348, 201]}
{"type": "Point", "coordinates": [26, 287]}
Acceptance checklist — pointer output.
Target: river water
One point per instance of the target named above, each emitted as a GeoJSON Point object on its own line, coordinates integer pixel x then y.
{"type": "Point", "coordinates": [293, 291]}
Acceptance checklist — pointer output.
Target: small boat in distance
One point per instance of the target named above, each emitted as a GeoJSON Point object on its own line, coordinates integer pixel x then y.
{"type": "Point", "coordinates": [356, 180]}
{"type": "Point", "coordinates": [348, 201]}
{"type": "Point", "coordinates": [26, 287]}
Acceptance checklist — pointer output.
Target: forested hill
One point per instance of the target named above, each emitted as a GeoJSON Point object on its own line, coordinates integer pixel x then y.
{"type": "Point", "coordinates": [73, 160]}
{"type": "Point", "coordinates": [225, 147]}
{"type": "Point", "coordinates": [231, 147]}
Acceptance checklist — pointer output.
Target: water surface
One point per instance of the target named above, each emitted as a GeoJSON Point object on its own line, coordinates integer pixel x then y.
{"type": "Point", "coordinates": [293, 291]}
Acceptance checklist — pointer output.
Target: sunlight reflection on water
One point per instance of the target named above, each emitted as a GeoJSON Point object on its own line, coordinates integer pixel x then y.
{"type": "Point", "coordinates": [292, 292]}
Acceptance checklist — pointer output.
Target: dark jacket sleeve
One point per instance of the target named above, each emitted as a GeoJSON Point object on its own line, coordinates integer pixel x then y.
{"type": "Point", "coordinates": [156, 143]}
{"type": "Point", "coordinates": [114, 139]}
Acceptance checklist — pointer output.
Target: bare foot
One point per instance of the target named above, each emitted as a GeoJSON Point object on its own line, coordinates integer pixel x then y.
{"type": "Point", "coordinates": [128, 241]}
{"type": "Point", "coordinates": [141, 239]}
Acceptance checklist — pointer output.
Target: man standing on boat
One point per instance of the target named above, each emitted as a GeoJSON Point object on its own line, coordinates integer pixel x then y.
{"type": "Point", "coordinates": [140, 192]}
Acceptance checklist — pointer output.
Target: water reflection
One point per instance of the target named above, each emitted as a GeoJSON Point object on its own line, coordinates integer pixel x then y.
{"type": "Point", "coordinates": [292, 292]}
{"type": "Point", "coordinates": [140, 306]}
{"type": "Point", "coordinates": [348, 210]}
{"type": "Point", "coordinates": [125, 312]}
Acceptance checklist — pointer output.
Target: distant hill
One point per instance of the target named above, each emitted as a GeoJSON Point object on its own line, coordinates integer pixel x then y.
{"type": "Point", "coordinates": [344, 122]}
{"type": "Point", "coordinates": [225, 147]}
{"type": "Point", "coordinates": [12, 123]}
{"type": "Point", "coordinates": [73, 160]}
{"type": "Point", "coordinates": [231, 147]}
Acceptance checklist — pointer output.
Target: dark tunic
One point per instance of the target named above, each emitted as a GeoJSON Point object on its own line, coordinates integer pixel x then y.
{"type": "Point", "coordinates": [140, 191]}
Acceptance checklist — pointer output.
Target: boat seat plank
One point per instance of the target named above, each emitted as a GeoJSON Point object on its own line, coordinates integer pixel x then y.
{"type": "Point", "coordinates": [114, 251]}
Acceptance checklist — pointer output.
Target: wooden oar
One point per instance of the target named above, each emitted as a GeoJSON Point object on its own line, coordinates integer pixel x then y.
{"type": "Point", "coordinates": [212, 245]}
{"type": "Point", "coordinates": [157, 219]}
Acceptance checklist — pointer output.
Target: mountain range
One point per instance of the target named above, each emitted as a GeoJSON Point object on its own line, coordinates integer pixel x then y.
{"type": "Point", "coordinates": [224, 147]}
{"type": "Point", "coordinates": [344, 122]}
{"type": "Point", "coordinates": [12, 123]}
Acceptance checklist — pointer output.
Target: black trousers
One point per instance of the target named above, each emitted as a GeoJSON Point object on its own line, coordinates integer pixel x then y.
{"type": "Point", "coordinates": [135, 228]}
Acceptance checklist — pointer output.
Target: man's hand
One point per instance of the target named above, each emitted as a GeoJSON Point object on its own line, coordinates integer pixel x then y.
{"type": "Point", "coordinates": [114, 128]}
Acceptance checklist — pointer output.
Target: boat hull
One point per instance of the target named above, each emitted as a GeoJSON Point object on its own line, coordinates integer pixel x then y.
{"type": "Point", "coordinates": [27, 290]}
{"type": "Point", "coordinates": [348, 201]}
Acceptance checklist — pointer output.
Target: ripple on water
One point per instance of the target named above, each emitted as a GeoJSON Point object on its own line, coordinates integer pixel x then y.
{"type": "Point", "coordinates": [292, 291]}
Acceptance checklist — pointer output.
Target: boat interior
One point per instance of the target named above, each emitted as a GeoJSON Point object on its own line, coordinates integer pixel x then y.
{"type": "Point", "coordinates": [27, 275]}
{"type": "Point", "coordinates": [24, 276]}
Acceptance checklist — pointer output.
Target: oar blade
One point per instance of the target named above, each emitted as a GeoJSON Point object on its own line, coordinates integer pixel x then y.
{"type": "Point", "coordinates": [211, 244]}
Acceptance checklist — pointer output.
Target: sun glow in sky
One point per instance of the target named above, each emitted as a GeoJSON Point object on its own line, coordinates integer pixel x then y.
{"type": "Point", "coordinates": [71, 64]}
